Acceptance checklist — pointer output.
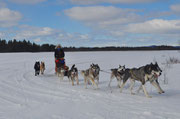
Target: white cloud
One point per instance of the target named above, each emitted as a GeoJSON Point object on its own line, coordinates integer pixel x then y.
{"type": "Point", "coordinates": [125, 24]}
{"type": "Point", "coordinates": [92, 13]}
{"type": "Point", "coordinates": [29, 32]}
{"type": "Point", "coordinates": [37, 40]}
{"type": "Point", "coordinates": [155, 26]}
{"type": "Point", "coordinates": [175, 8]}
{"type": "Point", "coordinates": [91, 2]}
{"type": "Point", "coordinates": [101, 16]}
{"type": "Point", "coordinates": [47, 34]}
{"type": "Point", "coordinates": [9, 18]}
{"type": "Point", "coordinates": [26, 1]}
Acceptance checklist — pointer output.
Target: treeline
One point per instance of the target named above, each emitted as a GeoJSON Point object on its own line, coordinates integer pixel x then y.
{"type": "Point", "coordinates": [142, 48]}
{"type": "Point", "coordinates": [24, 46]}
{"type": "Point", "coordinates": [27, 46]}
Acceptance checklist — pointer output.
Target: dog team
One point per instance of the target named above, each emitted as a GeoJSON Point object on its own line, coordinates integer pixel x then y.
{"type": "Point", "coordinates": [143, 74]}
{"type": "Point", "coordinates": [149, 72]}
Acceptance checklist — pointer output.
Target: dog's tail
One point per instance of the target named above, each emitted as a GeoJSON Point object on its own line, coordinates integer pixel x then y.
{"type": "Point", "coordinates": [73, 66]}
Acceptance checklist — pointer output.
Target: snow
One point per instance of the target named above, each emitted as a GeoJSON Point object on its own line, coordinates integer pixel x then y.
{"type": "Point", "coordinates": [25, 96]}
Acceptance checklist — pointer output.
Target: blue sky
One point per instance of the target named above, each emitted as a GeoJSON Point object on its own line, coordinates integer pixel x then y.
{"type": "Point", "coordinates": [91, 22]}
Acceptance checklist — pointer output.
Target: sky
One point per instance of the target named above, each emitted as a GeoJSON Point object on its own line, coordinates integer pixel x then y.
{"type": "Point", "coordinates": [91, 23]}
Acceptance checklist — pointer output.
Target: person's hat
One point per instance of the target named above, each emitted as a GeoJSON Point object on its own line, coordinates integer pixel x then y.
{"type": "Point", "coordinates": [58, 46]}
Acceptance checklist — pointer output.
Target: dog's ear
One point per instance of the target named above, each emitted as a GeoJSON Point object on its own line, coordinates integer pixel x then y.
{"type": "Point", "coordinates": [98, 66]}
{"type": "Point", "coordinates": [156, 63]}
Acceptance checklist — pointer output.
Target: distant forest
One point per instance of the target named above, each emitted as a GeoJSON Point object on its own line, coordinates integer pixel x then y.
{"type": "Point", "coordinates": [27, 46]}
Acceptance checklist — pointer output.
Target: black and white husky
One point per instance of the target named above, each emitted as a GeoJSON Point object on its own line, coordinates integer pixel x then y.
{"type": "Point", "coordinates": [150, 72]}
{"type": "Point", "coordinates": [91, 74]}
{"type": "Point", "coordinates": [117, 73]}
{"type": "Point", "coordinates": [37, 68]}
{"type": "Point", "coordinates": [73, 75]}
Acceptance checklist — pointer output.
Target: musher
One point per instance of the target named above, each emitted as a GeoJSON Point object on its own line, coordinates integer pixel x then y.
{"type": "Point", "coordinates": [59, 57]}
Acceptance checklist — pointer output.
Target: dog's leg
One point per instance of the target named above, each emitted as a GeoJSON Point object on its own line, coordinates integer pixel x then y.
{"type": "Point", "coordinates": [132, 85]}
{"type": "Point", "coordinates": [140, 88]}
{"type": "Point", "coordinates": [72, 79]}
{"type": "Point", "coordinates": [77, 80]}
{"type": "Point", "coordinates": [145, 92]}
{"type": "Point", "coordinates": [119, 82]}
{"type": "Point", "coordinates": [85, 83]}
{"type": "Point", "coordinates": [89, 82]}
{"type": "Point", "coordinates": [38, 72]}
{"type": "Point", "coordinates": [124, 81]}
{"type": "Point", "coordinates": [122, 86]}
{"type": "Point", "coordinates": [61, 76]}
{"type": "Point", "coordinates": [69, 79]}
{"type": "Point", "coordinates": [97, 80]}
{"type": "Point", "coordinates": [111, 78]}
{"type": "Point", "coordinates": [157, 86]}
{"type": "Point", "coordinates": [93, 82]}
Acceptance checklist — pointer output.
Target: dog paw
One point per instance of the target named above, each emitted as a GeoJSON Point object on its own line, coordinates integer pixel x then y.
{"type": "Point", "coordinates": [161, 92]}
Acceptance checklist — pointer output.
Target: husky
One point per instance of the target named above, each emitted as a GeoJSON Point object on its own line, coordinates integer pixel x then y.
{"type": "Point", "coordinates": [42, 67]}
{"type": "Point", "coordinates": [61, 70]}
{"type": "Point", "coordinates": [150, 72]}
{"type": "Point", "coordinates": [37, 68]}
{"type": "Point", "coordinates": [73, 75]}
{"type": "Point", "coordinates": [117, 73]}
{"type": "Point", "coordinates": [91, 74]}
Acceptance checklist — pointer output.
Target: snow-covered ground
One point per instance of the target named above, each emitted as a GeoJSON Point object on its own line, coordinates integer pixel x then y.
{"type": "Point", "coordinates": [24, 96]}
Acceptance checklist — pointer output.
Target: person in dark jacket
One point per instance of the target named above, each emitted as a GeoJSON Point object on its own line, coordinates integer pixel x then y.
{"type": "Point", "coordinates": [59, 57]}
{"type": "Point", "coordinates": [59, 52]}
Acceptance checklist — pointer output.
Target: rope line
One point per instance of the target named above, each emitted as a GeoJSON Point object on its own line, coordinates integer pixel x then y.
{"type": "Point", "coordinates": [105, 71]}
